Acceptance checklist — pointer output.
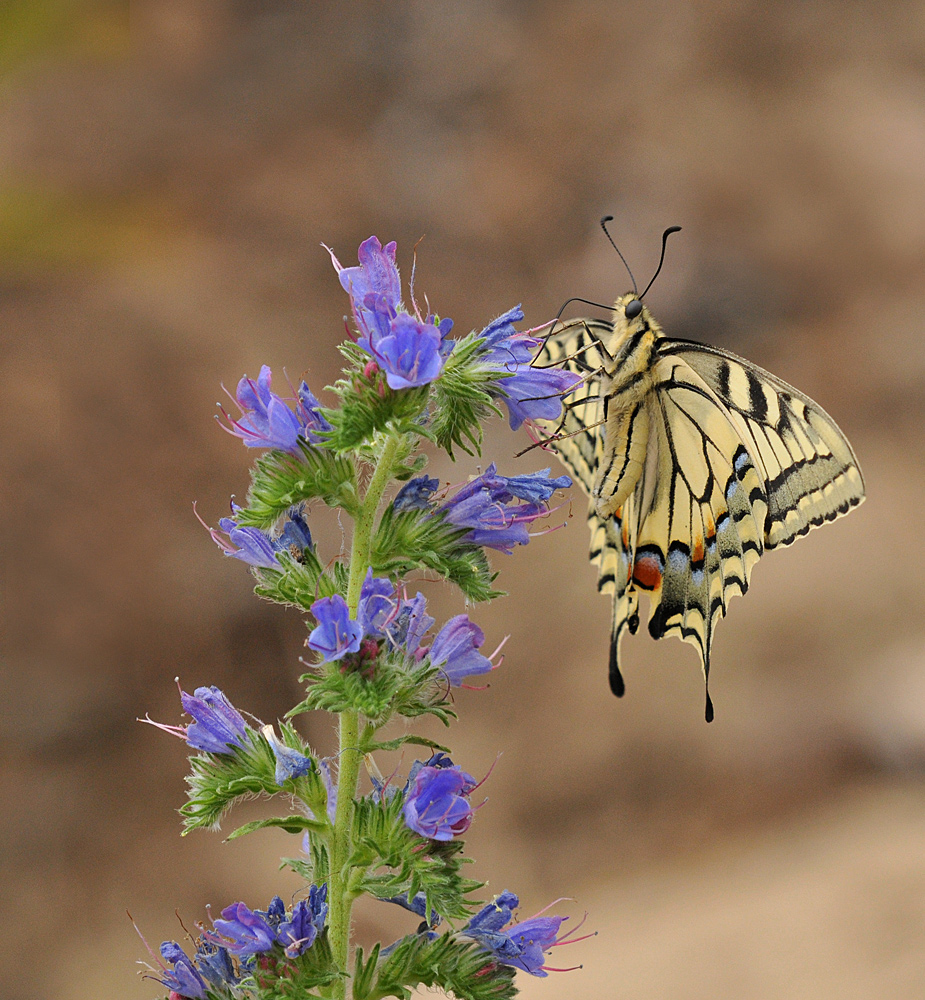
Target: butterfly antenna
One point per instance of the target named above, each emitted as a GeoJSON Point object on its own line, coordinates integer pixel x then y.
{"type": "Point", "coordinates": [604, 221]}
{"type": "Point", "coordinates": [665, 235]}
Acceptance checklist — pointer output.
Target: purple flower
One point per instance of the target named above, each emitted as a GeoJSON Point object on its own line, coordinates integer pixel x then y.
{"type": "Point", "coordinates": [215, 965]}
{"type": "Point", "coordinates": [410, 624]}
{"type": "Point", "coordinates": [374, 289]}
{"type": "Point", "coordinates": [376, 604]}
{"type": "Point", "coordinates": [410, 349]}
{"type": "Point", "coordinates": [521, 945]}
{"type": "Point", "coordinates": [416, 493]}
{"type": "Point", "coordinates": [492, 917]}
{"type": "Point", "coordinates": [313, 420]}
{"type": "Point", "coordinates": [411, 354]}
{"type": "Point", "coordinates": [417, 904]}
{"type": "Point", "coordinates": [250, 545]}
{"type": "Point", "coordinates": [436, 802]}
{"type": "Point", "coordinates": [289, 762]}
{"type": "Point", "coordinates": [217, 725]}
{"type": "Point", "coordinates": [536, 393]}
{"type": "Point", "coordinates": [242, 932]}
{"type": "Point", "coordinates": [266, 421]}
{"type": "Point", "coordinates": [533, 486]}
{"type": "Point", "coordinates": [505, 346]}
{"type": "Point", "coordinates": [297, 934]}
{"type": "Point", "coordinates": [455, 650]}
{"type": "Point", "coordinates": [529, 393]}
{"type": "Point", "coordinates": [485, 505]}
{"type": "Point", "coordinates": [337, 633]}
{"type": "Point", "coordinates": [185, 978]}
{"type": "Point", "coordinates": [295, 537]}
{"type": "Point", "coordinates": [532, 938]}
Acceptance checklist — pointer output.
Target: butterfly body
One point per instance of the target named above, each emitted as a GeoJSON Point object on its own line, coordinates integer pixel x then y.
{"type": "Point", "coordinates": [695, 462]}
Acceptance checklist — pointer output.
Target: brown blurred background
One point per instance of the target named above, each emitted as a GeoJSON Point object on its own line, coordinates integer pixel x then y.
{"type": "Point", "coordinates": [167, 173]}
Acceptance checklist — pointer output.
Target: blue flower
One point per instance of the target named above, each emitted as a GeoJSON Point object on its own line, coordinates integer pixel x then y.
{"type": "Point", "coordinates": [256, 547]}
{"type": "Point", "coordinates": [417, 904]}
{"type": "Point", "coordinates": [314, 423]}
{"type": "Point", "coordinates": [289, 762]}
{"type": "Point", "coordinates": [410, 349]}
{"type": "Point", "coordinates": [337, 634]}
{"type": "Point", "coordinates": [484, 504]}
{"type": "Point", "coordinates": [374, 289]}
{"type": "Point", "coordinates": [185, 979]}
{"type": "Point", "coordinates": [214, 963]}
{"type": "Point", "coordinates": [532, 486]}
{"type": "Point", "coordinates": [536, 393]}
{"type": "Point", "coordinates": [436, 802]}
{"type": "Point", "coordinates": [266, 421]}
{"type": "Point", "coordinates": [410, 624]}
{"type": "Point", "coordinates": [492, 917]}
{"type": "Point", "coordinates": [217, 725]}
{"type": "Point", "coordinates": [521, 945]}
{"type": "Point", "coordinates": [455, 650]}
{"type": "Point", "coordinates": [416, 493]}
{"type": "Point", "coordinates": [505, 347]}
{"type": "Point", "coordinates": [298, 932]}
{"type": "Point", "coordinates": [410, 355]}
{"type": "Point", "coordinates": [376, 604]}
{"type": "Point", "coordinates": [250, 545]}
{"type": "Point", "coordinates": [295, 538]}
{"type": "Point", "coordinates": [242, 931]}
{"type": "Point", "coordinates": [529, 393]}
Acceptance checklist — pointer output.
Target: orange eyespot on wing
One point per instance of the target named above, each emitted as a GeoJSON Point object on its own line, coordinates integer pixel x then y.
{"type": "Point", "coordinates": [648, 568]}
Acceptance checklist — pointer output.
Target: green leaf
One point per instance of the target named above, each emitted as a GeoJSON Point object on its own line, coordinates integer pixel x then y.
{"type": "Point", "coordinates": [393, 686]}
{"type": "Point", "coordinates": [216, 781]}
{"type": "Point", "coordinates": [316, 867]}
{"type": "Point", "coordinates": [371, 745]}
{"type": "Point", "coordinates": [463, 398]}
{"type": "Point", "coordinates": [280, 978]}
{"type": "Point", "coordinates": [369, 406]}
{"type": "Point", "coordinates": [364, 972]}
{"type": "Point", "coordinates": [395, 859]}
{"type": "Point", "coordinates": [451, 963]}
{"type": "Point", "coordinates": [300, 583]}
{"type": "Point", "coordinates": [291, 824]}
{"type": "Point", "coordinates": [414, 539]}
{"type": "Point", "coordinates": [280, 479]}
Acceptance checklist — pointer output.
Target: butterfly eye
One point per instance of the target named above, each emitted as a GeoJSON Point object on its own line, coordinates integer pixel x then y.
{"type": "Point", "coordinates": [633, 308]}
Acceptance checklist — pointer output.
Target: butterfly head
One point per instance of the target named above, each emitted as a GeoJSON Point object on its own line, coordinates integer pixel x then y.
{"type": "Point", "coordinates": [630, 314]}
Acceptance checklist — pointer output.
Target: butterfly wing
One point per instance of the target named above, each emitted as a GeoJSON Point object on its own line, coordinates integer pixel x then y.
{"type": "Point", "coordinates": [737, 462]}
{"type": "Point", "coordinates": [702, 511]}
{"type": "Point", "coordinates": [810, 470]}
{"type": "Point", "coordinates": [577, 347]}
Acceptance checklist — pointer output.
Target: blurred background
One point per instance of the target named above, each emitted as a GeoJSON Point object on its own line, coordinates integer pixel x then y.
{"type": "Point", "coordinates": [168, 171]}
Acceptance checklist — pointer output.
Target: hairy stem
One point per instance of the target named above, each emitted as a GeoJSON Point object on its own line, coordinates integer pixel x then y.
{"type": "Point", "coordinates": [340, 900]}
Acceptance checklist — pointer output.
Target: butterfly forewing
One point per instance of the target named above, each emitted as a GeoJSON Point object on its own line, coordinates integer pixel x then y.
{"type": "Point", "coordinates": [736, 462]}
{"type": "Point", "coordinates": [810, 470]}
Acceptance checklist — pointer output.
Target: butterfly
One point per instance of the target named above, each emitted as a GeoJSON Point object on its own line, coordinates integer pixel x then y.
{"type": "Point", "coordinates": [696, 462]}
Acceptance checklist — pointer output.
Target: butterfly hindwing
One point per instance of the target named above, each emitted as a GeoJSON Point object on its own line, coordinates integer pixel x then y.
{"type": "Point", "coordinates": [702, 531]}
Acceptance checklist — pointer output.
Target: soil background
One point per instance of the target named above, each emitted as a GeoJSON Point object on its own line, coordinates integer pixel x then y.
{"type": "Point", "coordinates": [168, 171]}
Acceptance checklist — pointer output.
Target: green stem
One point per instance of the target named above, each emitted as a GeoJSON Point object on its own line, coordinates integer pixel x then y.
{"type": "Point", "coordinates": [339, 899]}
